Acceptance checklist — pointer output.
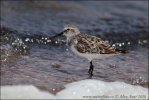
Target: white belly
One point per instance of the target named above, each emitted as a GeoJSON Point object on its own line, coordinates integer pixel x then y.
{"type": "Point", "coordinates": [90, 56]}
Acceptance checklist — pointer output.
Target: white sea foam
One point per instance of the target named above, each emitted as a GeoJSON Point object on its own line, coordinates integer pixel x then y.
{"type": "Point", "coordinates": [93, 89]}
{"type": "Point", "coordinates": [23, 92]}
{"type": "Point", "coordinates": [85, 89]}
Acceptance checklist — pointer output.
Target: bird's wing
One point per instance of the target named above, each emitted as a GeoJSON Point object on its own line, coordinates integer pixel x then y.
{"type": "Point", "coordinates": [91, 44]}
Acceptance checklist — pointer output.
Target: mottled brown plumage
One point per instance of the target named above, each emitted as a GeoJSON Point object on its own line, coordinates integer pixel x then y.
{"type": "Point", "coordinates": [90, 44]}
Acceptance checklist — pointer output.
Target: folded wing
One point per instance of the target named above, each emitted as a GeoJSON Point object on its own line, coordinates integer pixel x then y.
{"type": "Point", "coordinates": [91, 44]}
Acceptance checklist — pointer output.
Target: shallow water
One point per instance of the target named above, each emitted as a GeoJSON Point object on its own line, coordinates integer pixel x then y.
{"type": "Point", "coordinates": [30, 56]}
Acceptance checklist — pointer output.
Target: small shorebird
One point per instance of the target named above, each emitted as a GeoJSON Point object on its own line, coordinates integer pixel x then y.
{"type": "Point", "coordinates": [87, 46]}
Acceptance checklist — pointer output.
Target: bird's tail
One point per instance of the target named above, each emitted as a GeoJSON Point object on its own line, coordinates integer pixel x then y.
{"type": "Point", "coordinates": [121, 50]}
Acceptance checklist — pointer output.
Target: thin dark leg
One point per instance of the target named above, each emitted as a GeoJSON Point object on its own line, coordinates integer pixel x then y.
{"type": "Point", "coordinates": [90, 71]}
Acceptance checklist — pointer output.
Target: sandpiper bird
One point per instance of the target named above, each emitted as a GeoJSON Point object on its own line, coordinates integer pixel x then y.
{"type": "Point", "coordinates": [88, 46]}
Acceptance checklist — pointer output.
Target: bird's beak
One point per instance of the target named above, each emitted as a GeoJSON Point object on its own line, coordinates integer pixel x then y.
{"type": "Point", "coordinates": [59, 34]}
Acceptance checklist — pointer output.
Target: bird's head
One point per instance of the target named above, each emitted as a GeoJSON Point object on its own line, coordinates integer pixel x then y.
{"type": "Point", "coordinates": [70, 31]}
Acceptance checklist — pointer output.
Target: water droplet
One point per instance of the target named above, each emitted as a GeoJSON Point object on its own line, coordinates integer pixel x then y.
{"type": "Point", "coordinates": [31, 40]}
{"type": "Point", "coordinates": [113, 45]}
{"type": "Point", "coordinates": [27, 39]}
{"type": "Point", "coordinates": [120, 44]}
{"type": "Point", "coordinates": [56, 42]}
{"type": "Point", "coordinates": [48, 40]}
{"type": "Point", "coordinates": [128, 43]}
{"type": "Point", "coordinates": [139, 42]}
{"type": "Point", "coordinates": [144, 41]}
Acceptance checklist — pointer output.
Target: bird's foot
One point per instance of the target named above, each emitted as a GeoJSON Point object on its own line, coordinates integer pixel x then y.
{"type": "Point", "coordinates": [90, 73]}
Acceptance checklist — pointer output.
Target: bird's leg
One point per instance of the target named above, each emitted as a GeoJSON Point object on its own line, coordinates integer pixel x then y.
{"type": "Point", "coordinates": [90, 71]}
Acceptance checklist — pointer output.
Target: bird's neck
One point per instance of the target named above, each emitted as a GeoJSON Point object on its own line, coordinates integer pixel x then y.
{"type": "Point", "coordinates": [70, 39]}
